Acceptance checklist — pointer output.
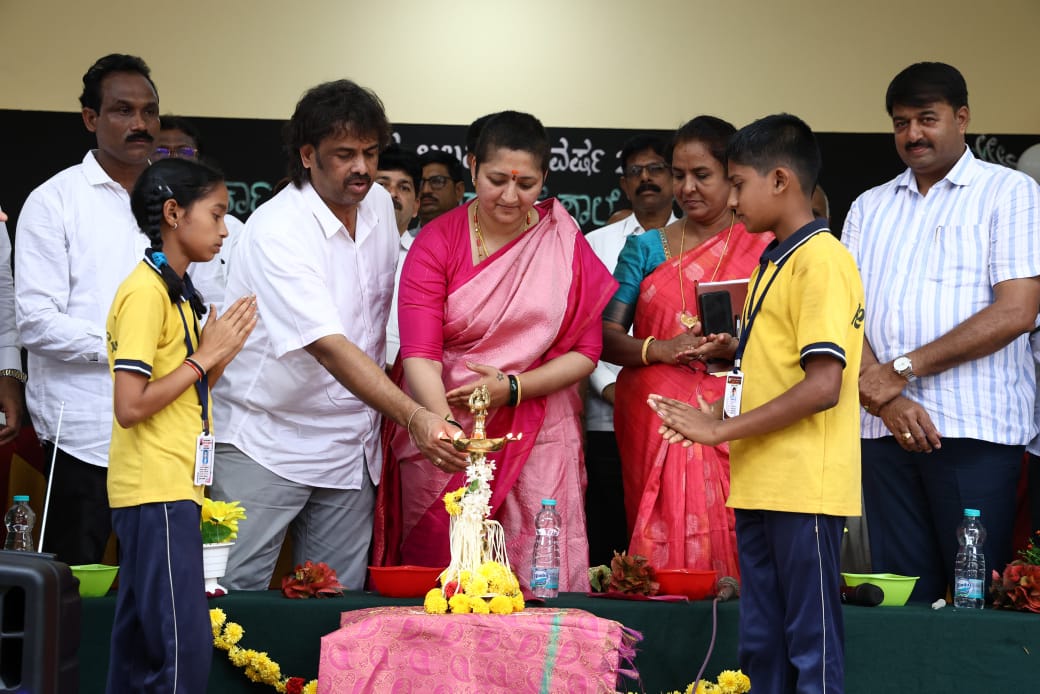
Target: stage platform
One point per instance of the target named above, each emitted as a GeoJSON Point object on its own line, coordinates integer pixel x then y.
{"type": "Point", "coordinates": [897, 649]}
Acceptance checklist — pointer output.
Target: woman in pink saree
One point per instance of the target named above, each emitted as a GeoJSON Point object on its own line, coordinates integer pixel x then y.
{"type": "Point", "coordinates": [506, 293]}
{"type": "Point", "coordinates": [675, 497]}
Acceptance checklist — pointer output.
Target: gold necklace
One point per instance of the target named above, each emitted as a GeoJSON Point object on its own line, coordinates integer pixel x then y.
{"type": "Point", "coordinates": [687, 319]}
{"type": "Point", "coordinates": [482, 253]}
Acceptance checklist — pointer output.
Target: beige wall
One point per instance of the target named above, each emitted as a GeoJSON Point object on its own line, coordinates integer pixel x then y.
{"type": "Point", "coordinates": [638, 63]}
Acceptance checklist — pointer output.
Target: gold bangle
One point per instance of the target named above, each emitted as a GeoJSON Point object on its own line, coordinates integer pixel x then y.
{"type": "Point", "coordinates": [16, 374]}
{"type": "Point", "coordinates": [519, 391]}
{"type": "Point", "coordinates": [646, 346]}
{"type": "Point", "coordinates": [408, 425]}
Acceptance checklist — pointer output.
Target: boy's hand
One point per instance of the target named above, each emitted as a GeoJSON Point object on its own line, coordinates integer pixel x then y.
{"type": "Point", "coordinates": [683, 422]}
{"type": "Point", "coordinates": [903, 416]}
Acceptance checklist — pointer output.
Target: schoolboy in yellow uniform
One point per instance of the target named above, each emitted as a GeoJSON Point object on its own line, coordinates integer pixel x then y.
{"type": "Point", "coordinates": [793, 418]}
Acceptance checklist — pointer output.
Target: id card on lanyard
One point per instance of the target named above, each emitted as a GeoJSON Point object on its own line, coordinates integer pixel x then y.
{"type": "Point", "coordinates": [205, 443]}
{"type": "Point", "coordinates": [735, 378]}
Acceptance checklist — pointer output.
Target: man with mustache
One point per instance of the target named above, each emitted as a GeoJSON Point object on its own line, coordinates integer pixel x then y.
{"type": "Point", "coordinates": [949, 252]}
{"type": "Point", "coordinates": [76, 241]}
{"type": "Point", "coordinates": [298, 409]}
{"type": "Point", "coordinates": [647, 183]}
{"type": "Point", "coordinates": [399, 172]}
{"type": "Point", "coordinates": [441, 187]}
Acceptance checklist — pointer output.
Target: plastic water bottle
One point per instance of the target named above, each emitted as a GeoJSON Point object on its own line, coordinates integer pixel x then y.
{"type": "Point", "coordinates": [19, 521]}
{"type": "Point", "coordinates": [969, 573]}
{"type": "Point", "coordinates": [545, 562]}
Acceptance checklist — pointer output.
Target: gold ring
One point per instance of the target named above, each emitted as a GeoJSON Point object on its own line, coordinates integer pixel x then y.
{"type": "Point", "coordinates": [907, 436]}
{"type": "Point", "coordinates": [438, 462]}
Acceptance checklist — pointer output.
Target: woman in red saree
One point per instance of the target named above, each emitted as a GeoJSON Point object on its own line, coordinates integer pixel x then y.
{"type": "Point", "coordinates": [675, 497]}
{"type": "Point", "coordinates": [500, 289]}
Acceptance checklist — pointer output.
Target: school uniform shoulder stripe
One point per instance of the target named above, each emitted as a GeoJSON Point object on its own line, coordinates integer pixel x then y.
{"type": "Point", "coordinates": [827, 348]}
{"type": "Point", "coordinates": [134, 365]}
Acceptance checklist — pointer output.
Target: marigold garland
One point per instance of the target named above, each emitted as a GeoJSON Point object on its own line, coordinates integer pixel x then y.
{"type": "Point", "coordinates": [257, 664]}
{"type": "Point", "coordinates": [492, 589]}
{"type": "Point", "coordinates": [729, 682]}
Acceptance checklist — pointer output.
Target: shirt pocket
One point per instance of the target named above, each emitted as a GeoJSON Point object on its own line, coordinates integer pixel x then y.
{"type": "Point", "coordinates": [959, 257]}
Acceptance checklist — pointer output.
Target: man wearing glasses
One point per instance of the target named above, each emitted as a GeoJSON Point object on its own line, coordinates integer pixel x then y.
{"type": "Point", "coordinates": [178, 138]}
{"type": "Point", "coordinates": [441, 187]}
{"type": "Point", "coordinates": [646, 181]}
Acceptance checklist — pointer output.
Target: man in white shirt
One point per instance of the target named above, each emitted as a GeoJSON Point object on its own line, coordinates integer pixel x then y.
{"type": "Point", "coordinates": [949, 252]}
{"type": "Point", "coordinates": [399, 172]}
{"type": "Point", "coordinates": [178, 138]}
{"type": "Point", "coordinates": [12, 378]}
{"type": "Point", "coordinates": [647, 183]}
{"type": "Point", "coordinates": [298, 410]}
{"type": "Point", "coordinates": [77, 241]}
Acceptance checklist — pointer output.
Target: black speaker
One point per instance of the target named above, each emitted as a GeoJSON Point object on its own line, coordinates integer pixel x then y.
{"type": "Point", "coordinates": [39, 625]}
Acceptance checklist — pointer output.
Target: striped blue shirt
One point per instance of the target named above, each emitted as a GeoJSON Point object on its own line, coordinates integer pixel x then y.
{"type": "Point", "coordinates": [930, 262]}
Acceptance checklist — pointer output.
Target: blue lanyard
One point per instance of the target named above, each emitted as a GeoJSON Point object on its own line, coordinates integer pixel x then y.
{"type": "Point", "coordinates": [201, 385]}
{"type": "Point", "coordinates": [752, 308]}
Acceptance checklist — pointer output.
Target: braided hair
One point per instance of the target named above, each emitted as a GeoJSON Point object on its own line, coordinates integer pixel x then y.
{"type": "Point", "coordinates": [184, 181]}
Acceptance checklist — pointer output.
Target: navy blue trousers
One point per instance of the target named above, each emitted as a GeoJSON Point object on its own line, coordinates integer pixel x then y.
{"type": "Point", "coordinates": [792, 635]}
{"type": "Point", "coordinates": [915, 501]}
{"type": "Point", "coordinates": [161, 637]}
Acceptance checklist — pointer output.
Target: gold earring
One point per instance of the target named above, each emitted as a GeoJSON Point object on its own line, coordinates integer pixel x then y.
{"type": "Point", "coordinates": [175, 225]}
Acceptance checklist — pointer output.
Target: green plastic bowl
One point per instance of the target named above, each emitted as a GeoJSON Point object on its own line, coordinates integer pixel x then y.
{"type": "Point", "coordinates": [94, 579]}
{"type": "Point", "coordinates": [897, 588]}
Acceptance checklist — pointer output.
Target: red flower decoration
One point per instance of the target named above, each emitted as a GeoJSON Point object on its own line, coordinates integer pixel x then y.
{"type": "Point", "coordinates": [1018, 588]}
{"type": "Point", "coordinates": [294, 685]}
{"type": "Point", "coordinates": [312, 580]}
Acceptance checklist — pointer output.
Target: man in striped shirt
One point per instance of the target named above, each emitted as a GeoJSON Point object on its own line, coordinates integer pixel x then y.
{"type": "Point", "coordinates": [949, 253]}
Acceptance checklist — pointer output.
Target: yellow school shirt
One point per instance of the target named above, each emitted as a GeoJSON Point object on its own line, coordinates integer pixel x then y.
{"type": "Point", "coordinates": [814, 306]}
{"type": "Point", "coordinates": [154, 460]}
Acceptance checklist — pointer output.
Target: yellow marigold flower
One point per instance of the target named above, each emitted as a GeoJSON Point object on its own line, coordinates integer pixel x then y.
{"type": "Point", "coordinates": [311, 687]}
{"type": "Point", "coordinates": [500, 604]}
{"type": "Point", "coordinates": [233, 633]}
{"type": "Point", "coordinates": [518, 601]}
{"type": "Point", "coordinates": [705, 687]}
{"type": "Point", "coordinates": [237, 656]}
{"type": "Point", "coordinates": [744, 683]}
{"type": "Point", "coordinates": [217, 619]}
{"type": "Point", "coordinates": [476, 586]}
{"type": "Point", "coordinates": [435, 602]}
{"type": "Point", "coordinates": [479, 606]}
{"type": "Point", "coordinates": [459, 604]}
{"type": "Point", "coordinates": [280, 687]}
{"type": "Point", "coordinates": [452, 507]}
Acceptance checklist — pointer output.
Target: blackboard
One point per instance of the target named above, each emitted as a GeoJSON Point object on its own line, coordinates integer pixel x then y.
{"type": "Point", "coordinates": [583, 172]}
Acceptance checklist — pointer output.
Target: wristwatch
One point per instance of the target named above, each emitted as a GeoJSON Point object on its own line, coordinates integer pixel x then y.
{"type": "Point", "coordinates": [903, 366]}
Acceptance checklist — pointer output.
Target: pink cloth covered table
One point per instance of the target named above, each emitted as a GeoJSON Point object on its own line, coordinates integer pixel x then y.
{"type": "Point", "coordinates": [402, 650]}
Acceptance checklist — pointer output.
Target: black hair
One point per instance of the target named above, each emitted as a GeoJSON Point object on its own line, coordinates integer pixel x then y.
{"type": "Point", "coordinates": [172, 122]}
{"type": "Point", "coordinates": [114, 62]}
{"type": "Point", "coordinates": [396, 158]}
{"type": "Point", "coordinates": [185, 181]}
{"type": "Point", "coordinates": [521, 132]}
{"type": "Point", "coordinates": [925, 83]}
{"type": "Point", "coordinates": [640, 143]}
{"type": "Point", "coordinates": [447, 159]}
{"type": "Point", "coordinates": [473, 131]}
{"type": "Point", "coordinates": [778, 140]}
{"type": "Point", "coordinates": [714, 133]}
{"type": "Point", "coordinates": [332, 108]}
